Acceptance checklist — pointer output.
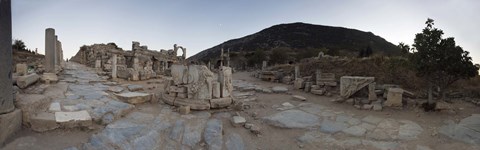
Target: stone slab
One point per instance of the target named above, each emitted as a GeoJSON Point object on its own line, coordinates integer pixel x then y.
{"type": "Point", "coordinates": [73, 119]}
{"type": "Point", "coordinates": [10, 123]}
{"type": "Point", "coordinates": [349, 85]}
{"type": "Point", "coordinates": [394, 97]}
{"type": "Point", "coordinates": [292, 119]}
{"type": "Point", "coordinates": [134, 97]}
{"type": "Point", "coordinates": [30, 104]}
{"type": "Point", "coordinates": [44, 121]}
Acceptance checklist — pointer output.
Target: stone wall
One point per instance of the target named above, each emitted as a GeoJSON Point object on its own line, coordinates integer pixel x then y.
{"type": "Point", "coordinates": [140, 63]}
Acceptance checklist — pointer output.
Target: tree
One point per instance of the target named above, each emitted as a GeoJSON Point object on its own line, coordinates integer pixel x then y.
{"type": "Point", "coordinates": [256, 58]}
{"type": "Point", "coordinates": [440, 61]}
{"type": "Point", "coordinates": [404, 47]}
{"type": "Point", "coordinates": [279, 56]}
{"type": "Point", "coordinates": [19, 45]}
{"type": "Point", "coordinates": [365, 52]}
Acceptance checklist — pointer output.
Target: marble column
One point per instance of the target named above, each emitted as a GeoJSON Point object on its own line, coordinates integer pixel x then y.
{"type": "Point", "coordinates": [297, 72]}
{"type": "Point", "coordinates": [57, 53]}
{"type": "Point", "coordinates": [10, 118]}
{"type": "Point", "coordinates": [50, 43]}
{"type": "Point", "coordinates": [114, 66]}
{"type": "Point", "coordinates": [6, 92]}
{"type": "Point", "coordinates": [318, 76]}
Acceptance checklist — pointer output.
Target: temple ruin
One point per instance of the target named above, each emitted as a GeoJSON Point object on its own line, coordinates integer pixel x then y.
{"type": "Point", "coordinates": [140, 63]}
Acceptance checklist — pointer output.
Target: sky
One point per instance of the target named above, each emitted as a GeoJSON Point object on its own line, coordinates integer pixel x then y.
{"type": "Point", "coordinates": [202, 24]}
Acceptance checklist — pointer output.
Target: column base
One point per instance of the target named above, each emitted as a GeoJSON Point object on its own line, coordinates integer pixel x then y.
{"type": "Point", "coordinates": [10, 123]}
{"type": "Point", "coordinates": [49, 78]}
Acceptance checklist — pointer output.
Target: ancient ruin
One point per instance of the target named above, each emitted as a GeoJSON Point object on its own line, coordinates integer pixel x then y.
{"type": "Point", "coordinates": [140, 63]}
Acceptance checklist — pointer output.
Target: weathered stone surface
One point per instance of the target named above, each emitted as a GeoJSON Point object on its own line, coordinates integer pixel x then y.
{"type": "Point", "coordinates": [467, 130]}
{"type": "Point", "coordinates": [349, 85]}
{"type": "Point", "coordinates": [6, 92]}
{"type": "Point", "coordinates": [409, 130]}
{"type": "Point", "coordinates": [394, 97]}
{"type": "Point", "coordinates": [220, 102]}
{"type": "Point", "coordinates": [329, 126]}
{"type": "Point", "coordinates": [238, 120]}
{"type": "Point", "coordinates": [184, 110]}
{"type": "Point", "coordinates": [54, 107]}
{"type": "Point", "coordinates": [234, 142]}
{"type": "Point", "coordinates": [134, 97]}
{"type": "Point", "coordinates": [372, 96]}
{"type": "Point", "coordinates": [299, 83]}
{"type": "Point", "coordinates": [355, 131]}
{"type": "Point", "coordinates": [298, 97]}
{"type": "Point", "coordinates": [193, 133]}
{"type": "Point", "coordinates": [215, 89]}
{"type": "Point", "coordinates": [279, 89]}
{"type": "Point", "coordinates": [49, 78]}
{"type": "Point", "coordinates": [318, 91]}
{"type": "Point", "coordinates": [43, 121]}
{"type": "Point", "coordinates": [27, 80]}
{"type": "Point", "coordinates": [213, 134]}
{"type": "Point", "coordinates": [21, 69]}
{"type": "Point", "coordinates": [372, 120]}
{"type": "Point", "coordinates": [115, 89]}
{"type": "Point", "coordinates": [30, 104]}
{"type": "Point", "coordinates": [292, 119]}
{"type": "Point", "coordinates": [308, 86]}
{"type": "Point", "coordinates": [387, 129]}
{"type": "Point", "coordinates": [10, 123]}
{"type": "Point", "coordinates": [134, 87]}
{"type": "Point", "coordinates": [73, 119]}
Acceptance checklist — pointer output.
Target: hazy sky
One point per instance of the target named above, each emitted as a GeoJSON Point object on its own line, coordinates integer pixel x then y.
{"type": "Point", "coordinates": [201, 24]}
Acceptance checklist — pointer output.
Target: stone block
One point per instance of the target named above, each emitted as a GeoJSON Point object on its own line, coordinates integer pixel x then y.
{"type": "Point", "coordinates": [238, 121]}
{"type": "Point", "coordinates": [349, 85]}
{"type": "Point", "coordinates": [220, 102]}
{"type": "Point", "coordinates": [172, 94]}
{"type": "Point", "coordinates": [49, 78]}
{"type": "Point", "coordinates": [21, 69]}
{"type": "Point", "coordinates": [308, 86]}
{"type": "Point", "coordinates": [318, 92]}
{"type": "Point", "coordinates": [73, 119]}
{"type": "Point", "coordinates": [215, 89]}
{"type": "Point", "coordinates": [134, 97]}
{"type": "Point", "coordinates": [299, 83]}
{"type": "Point", "coordinates": [394, 97]}
{"type": "Point", "coordinates": [10, 123]}
{"type": "Point", "coordinates": [27, 80]}
{"type": "Point", "coordinates": [54, 107]}
{"type": "Point", "coordinates": [44, 121]}
{"type": "Point", "coordinates": [184, 110]}
{"type": "Point", "coordinates": [30, 104]}
{"type": "Point", "coordinates": [178, 89]}
{"type": "Point", "coordinates": [182, 95]}
{"type": "Point", "coordinates": [225, 78]}
{"type": "Point", "coordinates": [178, 72]}
{"type": "Point", "coordinates": [372, 96]}
{"type": "Point", "coordinates": [194, 105]}
{"type": "Point", "coordinates": [298, 97]}
{"type": "Point", "coordinates": [134, 87]}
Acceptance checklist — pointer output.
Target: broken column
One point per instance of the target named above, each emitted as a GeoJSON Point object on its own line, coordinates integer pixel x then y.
{"type": "Point", "coordinates": [264, 65]}
{"type": "Point", "coordinates": [50, 42]}
{"type": "Point", "coordinates": [10, 118]}
{"type": "Point", "coordinates": [318, 76]}
{"type": "Point", "coordinates": [114, 66]}
{"type": "Point", "coordinates": [297, 72]}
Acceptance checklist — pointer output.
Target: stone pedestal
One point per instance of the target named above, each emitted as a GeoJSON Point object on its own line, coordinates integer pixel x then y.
{"type": "Point", "coordinates": [318, 76]}
{"type": "Point", "coordinates": [372, 96]}
{"type": "Point", "coordinates": [114, 66]}
{"type": "Point", "coordinates": [9, 124]}
{"type": "Point", "coordinates": [50, 43]}
{"type": "Point", "coordinates": [394, 97]}
{"type": "Point", "coordinates": [49, 78]}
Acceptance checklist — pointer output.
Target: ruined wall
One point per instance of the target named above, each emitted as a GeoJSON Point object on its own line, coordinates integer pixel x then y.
{"type": "Point", "coordinates": [140, 63]}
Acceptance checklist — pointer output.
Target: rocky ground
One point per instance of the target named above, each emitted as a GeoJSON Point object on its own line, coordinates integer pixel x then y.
{"type": "Point", "coordinates": [265, 116]}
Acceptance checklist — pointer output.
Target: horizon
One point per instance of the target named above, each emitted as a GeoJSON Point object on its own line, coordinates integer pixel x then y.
{"type": "Point", "coordinates": [199, 26]}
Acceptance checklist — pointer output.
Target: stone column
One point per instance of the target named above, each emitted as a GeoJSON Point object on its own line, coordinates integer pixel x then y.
{"type": "Point", "coordinates": [50, 43]}
{"type": "Point", "coordinates": [318, 76]}
{"type": "Point", "coordinates": [264, 65]}
{"type": "Point", "coordinates": [10, 118]}
{"type": "Point", "coordinates": [114, 66]}
{"type": "Point", "coordinates": [6, 92]}
{"type": "Point", "coordinates": [57, 53]}
{"type": "Point", "coordinates": [297, 72]}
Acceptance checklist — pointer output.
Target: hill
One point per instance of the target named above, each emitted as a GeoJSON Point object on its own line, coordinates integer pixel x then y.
{"type": "Point", "coordinates": [300, 37]}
